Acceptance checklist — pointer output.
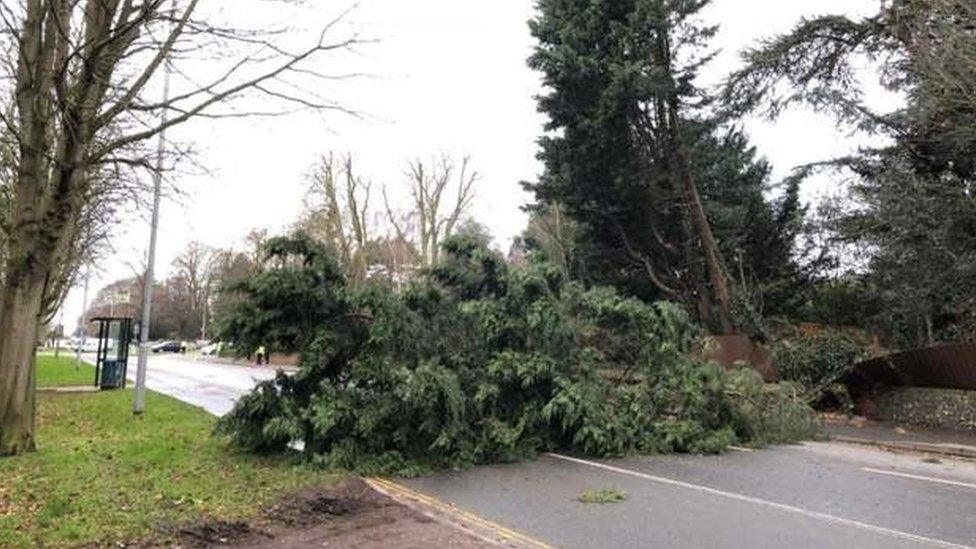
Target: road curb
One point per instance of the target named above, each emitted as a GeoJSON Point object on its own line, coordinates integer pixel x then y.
{"type": "Point", "coordinates": [68, 390]}
{"type": "Point", "coordinates": [451, 515]}
{"type": "Point", "coordinates": [949, 450]}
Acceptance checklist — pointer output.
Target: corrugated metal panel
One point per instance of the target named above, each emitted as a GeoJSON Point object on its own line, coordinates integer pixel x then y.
{"type": "Point", "coordinates": [945, 366]}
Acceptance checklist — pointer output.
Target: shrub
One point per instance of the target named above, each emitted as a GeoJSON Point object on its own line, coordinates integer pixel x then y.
{"type": "Point", "coordinates": [769, 414]}
{"type": "Point", "coordinates": [818, 362]}
{"type": "Point", "coordinates": [478, 363]}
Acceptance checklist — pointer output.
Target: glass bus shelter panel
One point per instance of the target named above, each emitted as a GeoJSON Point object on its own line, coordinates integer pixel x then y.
{"type": "Point", "coordinates": [114, 336]}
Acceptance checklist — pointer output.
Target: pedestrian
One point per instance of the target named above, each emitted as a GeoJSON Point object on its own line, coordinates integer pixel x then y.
{"type": "Point", "coordinates": [261, 355]}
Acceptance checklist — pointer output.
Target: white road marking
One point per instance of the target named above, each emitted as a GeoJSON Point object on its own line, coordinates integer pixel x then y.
{"type": "Point", "coordinates": [758, 501]}
{"type": "Point", "coordinates": [919, 477]}
{"type": "Point", "coordinates": [739, 449]}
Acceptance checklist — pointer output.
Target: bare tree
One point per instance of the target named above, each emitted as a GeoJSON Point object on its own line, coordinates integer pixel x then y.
{"type": "Point", "coordinates": [437, 205]}
{"type": "Point", "coordinates": [394, 258]}
{"type": "Point", "coordinates": [554, 235]}
{"type": "Point", "coordinates": [192, 283]}
{"type": "Point", "coordinates": [229, 266]}
{"type": "Point", "coordinates": [338, 213]}
{"type": "Point", "coordinates": [82, 77]}
{"type": "Point", "coordinates": [254, 243]}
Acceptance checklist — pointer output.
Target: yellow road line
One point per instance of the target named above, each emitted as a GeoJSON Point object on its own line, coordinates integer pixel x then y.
{"type": "Point", "coordinates": [459, 514]}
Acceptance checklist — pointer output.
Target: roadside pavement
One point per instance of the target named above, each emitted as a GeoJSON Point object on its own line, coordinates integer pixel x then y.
{"type": "Point", "coordinates": [902, 438]}
{"type": "Point", "coordinates": [289, 368]}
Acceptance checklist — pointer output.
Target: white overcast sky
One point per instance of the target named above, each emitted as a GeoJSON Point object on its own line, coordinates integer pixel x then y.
{"type": "Point", "coordinates": [446, 76]}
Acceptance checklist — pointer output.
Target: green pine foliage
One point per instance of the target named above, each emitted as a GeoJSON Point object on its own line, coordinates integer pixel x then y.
{"type": "Point", "coordinates": [478, 362]}
{"type": "Point", "coordinates": [620, 100]}
{"type": "Point", "coordinates": [607, 495]}
{"type": "Point", "coordinates": [284, 306]}
{"type": "Point", "coordinates": [768, 414]}
{"type": "Point", "coordinates": [903, 227]}
{"type": "Point", "coordinates": [818, 363]}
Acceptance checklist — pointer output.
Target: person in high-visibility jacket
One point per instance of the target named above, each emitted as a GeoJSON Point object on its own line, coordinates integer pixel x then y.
{"type": "Point", "coordinates": [262, 355]}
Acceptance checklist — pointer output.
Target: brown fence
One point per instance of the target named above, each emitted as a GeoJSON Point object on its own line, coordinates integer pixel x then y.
{"type": "Point", "coordinates": [730, 350]}
{"type": "Point", "coordinates": [945, 366]}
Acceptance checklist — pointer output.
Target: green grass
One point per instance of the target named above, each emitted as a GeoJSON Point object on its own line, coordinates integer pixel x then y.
{"type": "Point", "coordinates": [603, 496]}
{"type": "Point", "coordinates": [102, 476]}
{"type": "Point", "coordinates": [62, 371]}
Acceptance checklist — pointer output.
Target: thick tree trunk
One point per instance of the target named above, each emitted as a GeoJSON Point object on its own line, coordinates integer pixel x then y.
{"type": "Point", "coordinates": [698, 288]}
{"type": "Point", "coordinates": [21, 303]}
{"type": "Point", "coordinates": [713, 258]}
{"type": "Point", "coordinates": [719, 302]}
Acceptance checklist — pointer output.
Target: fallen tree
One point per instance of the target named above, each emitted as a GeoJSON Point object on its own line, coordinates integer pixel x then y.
{"type": "Point", "coordinates": [477, 362]}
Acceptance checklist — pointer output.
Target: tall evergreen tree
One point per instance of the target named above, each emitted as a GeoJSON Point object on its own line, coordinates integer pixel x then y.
{"type": "Point", "coordinates": [910, 211]}
{"type": "Point", "coordinates": [633, 158]}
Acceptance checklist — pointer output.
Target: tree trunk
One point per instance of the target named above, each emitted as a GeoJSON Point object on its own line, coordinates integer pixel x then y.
{"type": "Point", "coordinates": [713, 259]}
{"type": "Point", "coordinates": [721, 306]}
{"type": "Point", "coordinates": [21, 301]}
{"type": "Point", "coordinates": [697, 290]}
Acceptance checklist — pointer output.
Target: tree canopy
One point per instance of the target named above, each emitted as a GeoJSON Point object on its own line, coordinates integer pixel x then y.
{"type": "Point", "coordinates": [668, 197]}
{"type": "Point", "coordinates": [905, 223]}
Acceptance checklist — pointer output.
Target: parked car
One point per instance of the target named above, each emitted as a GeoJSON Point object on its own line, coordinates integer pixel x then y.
{"type": "Point", "coordinates": [210, 350]}
{"type": "Point", "coordinates": [90, 345]}
{"type": "Point", "coordinates": [167, 347]}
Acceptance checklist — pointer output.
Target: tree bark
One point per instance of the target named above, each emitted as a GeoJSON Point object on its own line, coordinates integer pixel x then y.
{"type": "Point", "coordinates": [18, 340]}
{"type": "Point", "coordinates": [74, 115]}
{"type": "Point", "coordinates": [721, 302]}
{"type": "Point", "coordinates": [713, 259]}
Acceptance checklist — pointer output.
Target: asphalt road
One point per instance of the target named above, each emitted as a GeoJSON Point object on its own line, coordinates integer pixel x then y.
{"type": "Point", "coordinates": [813, 495]}
{"type": "Point", "coordinates": [212, 386]}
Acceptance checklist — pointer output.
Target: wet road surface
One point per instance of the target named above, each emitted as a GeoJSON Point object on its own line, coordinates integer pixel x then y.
{"type": "Point", "coordinates": [212, 386]}
{"type": "Point", "coordinates": [809, 496]}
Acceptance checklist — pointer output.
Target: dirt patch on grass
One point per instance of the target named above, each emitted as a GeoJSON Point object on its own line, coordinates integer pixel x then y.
{"type": "Point", "coordinates": [311, 507]}
{"type": "Point", "coordinates": [213, 532]}
{"type": "Point", "coordinates": [352, 515]}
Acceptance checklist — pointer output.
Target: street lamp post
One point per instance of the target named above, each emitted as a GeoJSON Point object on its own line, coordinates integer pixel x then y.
{"type": "Point", "coordinates": [84, 310]}
{"type": "Point", "coordinates": [139, 403]}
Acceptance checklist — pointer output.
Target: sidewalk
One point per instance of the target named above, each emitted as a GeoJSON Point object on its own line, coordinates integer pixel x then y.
{"type": "Point", "coordinates": [287, 368]}
{"type": "Point", "coordinates": [895, 437]}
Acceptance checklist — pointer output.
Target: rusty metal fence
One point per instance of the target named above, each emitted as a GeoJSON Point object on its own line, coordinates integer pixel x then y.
{"type": "Point", "coordinates": [945, 366]}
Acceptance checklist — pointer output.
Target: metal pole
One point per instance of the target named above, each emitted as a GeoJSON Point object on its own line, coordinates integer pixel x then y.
{"type": "Point", "coordinates": [139, 403]}
{"type": "Point", "coordinates": [203, 329]}
{"type": "Point", "coordinates": [58, 334]}
{"type": "Point", "coordinates": [84, 309]}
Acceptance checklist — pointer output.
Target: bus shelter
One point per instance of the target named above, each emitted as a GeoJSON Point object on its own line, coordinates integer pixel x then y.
{"type": "Point", "coordinates": [112, 364]}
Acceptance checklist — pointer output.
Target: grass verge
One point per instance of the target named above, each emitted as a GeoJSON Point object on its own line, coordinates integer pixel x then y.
{"type": "Point", "coordinates": [62, 371]}
{"type": "Point", "coordinates": [102, 476]}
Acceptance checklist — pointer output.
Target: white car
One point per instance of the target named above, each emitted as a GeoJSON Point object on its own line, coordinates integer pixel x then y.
{"type": "Point", "coordinates": [210, 350]}
{"type": "Point", "coordinates": [89, 345]}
